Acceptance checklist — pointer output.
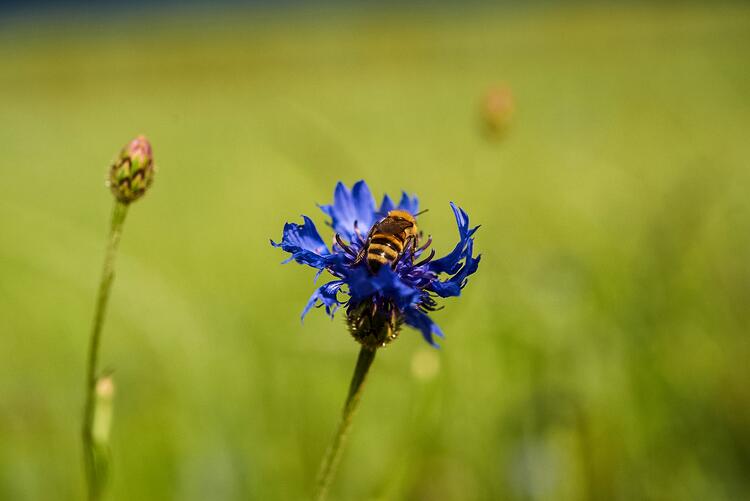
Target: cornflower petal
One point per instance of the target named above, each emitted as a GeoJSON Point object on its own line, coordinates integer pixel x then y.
{"type": "Point", "coordinates": [349, 207]}
{"type": "Point", "coordinates": [303, 242]}
{"type": "Point", "coordinates": [424, 323]}
{"type": "Point", "coordinates": [386, 206]}
{"type": "Point", "coordinates": [386, 283]}
{"type": "Point", "coordinates": [364, 205]}
{"type": "Point", "coordinates": [453, 286]}
{"type": "Point", "coordinates": [409, 204]}
{"type": "Point", "coordinates": [327, 295]}
{"type": "Point", "coordinates": [452, 262]}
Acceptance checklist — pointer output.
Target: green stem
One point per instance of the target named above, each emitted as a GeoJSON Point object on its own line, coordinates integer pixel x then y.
{"type": "Point", "coordinates": [94, 474]}
{"type": "Point", "coordinates": [333, 455]}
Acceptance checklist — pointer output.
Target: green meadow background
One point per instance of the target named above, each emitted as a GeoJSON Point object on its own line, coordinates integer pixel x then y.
{"type": "Point", "coordinates": [600, 353]}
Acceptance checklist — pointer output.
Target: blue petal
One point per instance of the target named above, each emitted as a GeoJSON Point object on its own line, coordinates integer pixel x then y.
{"type": "Point", "coordinates": [364, 204]}
{"type": "Point", "coordinates": [340, 211]}
{"type": "Point", "coordinates": [386, 206]}
{"type": "Point", "coordinates": [409, 204]}
{"type": "Point", "coordinates": [386, 284]}
{"type": "Point", "coordinates": [326, 294]}
{"type": "Point", "coordinates": [303, 242]}
{"type": "Point", "coordinates": [350, 207]}
{"type": "Point", "coordinates": [452, 262]}
{"type": "Point", "coordinates": [424, 323]}
{"type": "Point", "coordinates": [453, 286]}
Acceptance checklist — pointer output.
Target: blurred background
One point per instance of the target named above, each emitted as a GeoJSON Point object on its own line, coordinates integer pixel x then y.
{"type": "Point", "coordinates": [601, 351]}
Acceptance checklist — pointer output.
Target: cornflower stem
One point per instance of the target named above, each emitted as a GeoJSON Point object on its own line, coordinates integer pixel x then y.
{"type": "Point", "coordinates": [95, 471]}
{"type": "Point", "coordinates": [333, 455]}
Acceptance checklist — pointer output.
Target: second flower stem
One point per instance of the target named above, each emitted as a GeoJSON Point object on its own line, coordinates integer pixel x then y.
{"type": "Point", "coordinates": [333, 455]}
{"type": "Point", "coordinates": [94, 474]}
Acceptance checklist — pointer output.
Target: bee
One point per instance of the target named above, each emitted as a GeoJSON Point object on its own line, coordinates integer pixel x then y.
{"type": "Point", "coordinates": [389, 238]}
{"type": "Point", "coordinates": [388, 241]}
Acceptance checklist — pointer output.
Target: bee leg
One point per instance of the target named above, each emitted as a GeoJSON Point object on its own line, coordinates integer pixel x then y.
{"type": "Point", "coordinates": [363, 251]}
{"type": "Point", "coordinates": [410, 242]}
{"type": "Point", "coordinates": [413, 245]}
{"type": "Point", "coordinates": [344, 246]}
{"type": "Point", "coordinates": [398, 258]}
{"type": "Point", "coordinates": [360, 256]}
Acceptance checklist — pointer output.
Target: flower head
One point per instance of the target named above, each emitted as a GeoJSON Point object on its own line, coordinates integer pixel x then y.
{"type": "Point", "coordinates": [384, 274]}
{"type": "Point", "coordinates": [133, 171]}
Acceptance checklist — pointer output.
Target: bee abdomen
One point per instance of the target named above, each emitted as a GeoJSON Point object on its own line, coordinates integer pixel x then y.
{"type": "Point", "coordinates": [383, 249]}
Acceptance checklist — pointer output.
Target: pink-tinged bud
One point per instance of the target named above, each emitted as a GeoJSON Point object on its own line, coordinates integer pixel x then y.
{"type": "Point", "coordinates": [497, 109]}
{"type": "Point", "coordinates": [133, 171]}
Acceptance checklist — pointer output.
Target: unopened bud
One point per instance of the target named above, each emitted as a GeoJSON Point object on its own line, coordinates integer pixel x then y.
{"type": "Point", "coordinates": [497, 109]}
{"type": "Point", "coordinates": [133, 171]}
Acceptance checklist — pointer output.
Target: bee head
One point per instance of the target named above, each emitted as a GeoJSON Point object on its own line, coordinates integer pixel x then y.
{"type": "Point", "coordinates": [402, 215]}
{"type": "Point", "coordinates": [409, 222]}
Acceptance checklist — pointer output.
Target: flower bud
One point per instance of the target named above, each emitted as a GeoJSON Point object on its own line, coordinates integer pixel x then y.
{"type": "Point", "coordinates": [373, 325]}
{"type": "Point", "coordinates": [497, 109]}
{"type": "Point", "coordinates": [133, 171]}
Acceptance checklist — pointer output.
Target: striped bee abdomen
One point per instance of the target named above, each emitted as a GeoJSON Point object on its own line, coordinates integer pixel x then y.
{"type": "Point", "coordinates": [387, 239]}
{"type": "Point", "coordinates": [383, 249]}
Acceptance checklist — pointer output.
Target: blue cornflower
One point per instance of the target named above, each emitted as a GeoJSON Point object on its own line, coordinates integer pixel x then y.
{"type": "Point", "coordinates": [380, 299]}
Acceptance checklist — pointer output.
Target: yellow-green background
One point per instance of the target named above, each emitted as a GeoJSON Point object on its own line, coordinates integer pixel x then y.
{"type": "Point", "coordinates": [601, 351]}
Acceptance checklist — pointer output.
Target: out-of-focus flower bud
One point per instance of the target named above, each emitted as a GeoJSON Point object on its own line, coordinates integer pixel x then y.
{"type": "Point", "coordinates": [133, 171]}
{"type": "Point", "coordinates": [497, 109]}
